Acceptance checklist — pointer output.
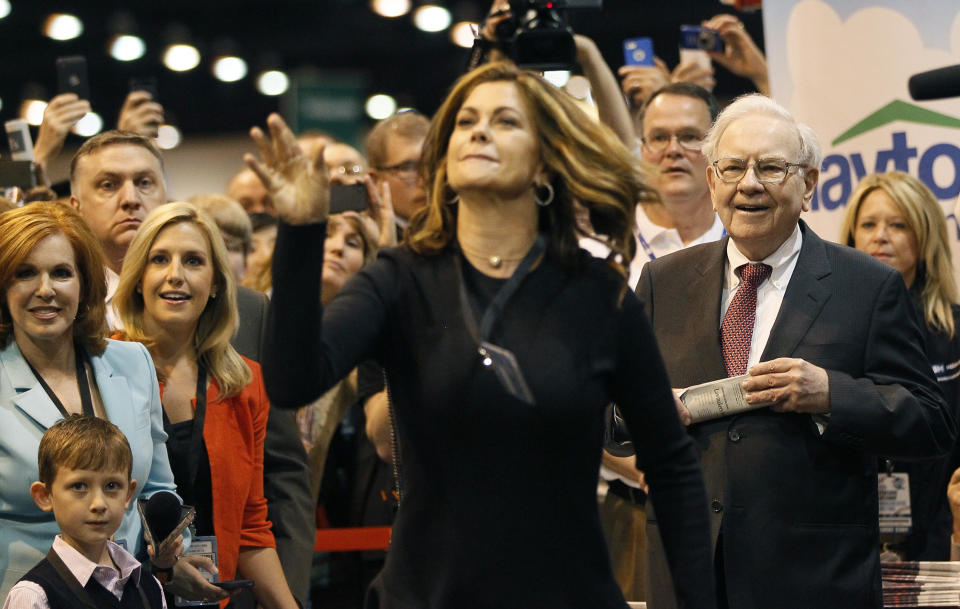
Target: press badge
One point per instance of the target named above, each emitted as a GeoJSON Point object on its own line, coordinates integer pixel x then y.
{"type": "Point", "coordinates": [894, 491]}
{"type": "Point", "coordinates": [505, 366]}
{"type": "Point", "coordinates": [203, 546]}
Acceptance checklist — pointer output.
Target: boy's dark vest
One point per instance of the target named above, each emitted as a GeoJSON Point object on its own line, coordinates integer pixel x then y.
{"type": "Point", "coordinates": [64, 591]}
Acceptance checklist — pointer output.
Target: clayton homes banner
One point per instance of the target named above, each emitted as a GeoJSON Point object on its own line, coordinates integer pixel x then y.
{"type": "Point", "coordinates": [842, 67]}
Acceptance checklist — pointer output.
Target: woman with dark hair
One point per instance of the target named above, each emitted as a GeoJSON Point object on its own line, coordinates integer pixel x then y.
{"type": "Point", "coordinates": [502, 344]}
{"type": "Point", "coordinates": [895, 218]}
{"type": "Point", "coordinates": [54, 361]}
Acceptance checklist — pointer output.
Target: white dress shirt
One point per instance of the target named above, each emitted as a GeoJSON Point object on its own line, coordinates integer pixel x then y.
{"type": "Point", "coordinates": [769, 294]}
{"type": "Point", "coordinates": [29, 595]}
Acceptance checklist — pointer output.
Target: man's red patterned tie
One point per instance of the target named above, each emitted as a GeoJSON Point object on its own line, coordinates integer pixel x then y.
{"type": "Point", "coordinates": [737, 327]}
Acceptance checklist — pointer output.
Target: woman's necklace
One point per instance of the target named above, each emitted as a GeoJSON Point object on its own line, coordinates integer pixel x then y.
{"type": "Point", "coordinates": [493, 260]}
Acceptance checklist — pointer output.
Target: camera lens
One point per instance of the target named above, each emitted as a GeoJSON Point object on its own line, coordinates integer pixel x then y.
{"type": "Point", "coordinates": [707, 40]}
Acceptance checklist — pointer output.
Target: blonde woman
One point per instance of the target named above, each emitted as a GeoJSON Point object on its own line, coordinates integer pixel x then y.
{"type": "Point", "coordinates": [178, 297]}
{"type": "Point", "coordinates": [896, 219]}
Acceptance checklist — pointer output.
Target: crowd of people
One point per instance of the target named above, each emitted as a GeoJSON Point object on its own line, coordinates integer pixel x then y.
{"type": "Point", "coordinates": [444, 361]}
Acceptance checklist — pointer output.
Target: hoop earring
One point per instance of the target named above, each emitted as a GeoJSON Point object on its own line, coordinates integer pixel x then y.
{"type": "Point", "coordinates": [546, 199]}
{"type": "Point", "coordinates": [453, 200]}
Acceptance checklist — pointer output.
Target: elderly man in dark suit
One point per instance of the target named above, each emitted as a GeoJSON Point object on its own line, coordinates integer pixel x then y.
{"type": "Point", "coordinates": [825, 334]}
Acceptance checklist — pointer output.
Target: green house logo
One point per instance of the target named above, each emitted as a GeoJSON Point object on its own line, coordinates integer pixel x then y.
{"type": "Point", "coordinates": [898, 110]}
{"type": "Point", "coordinates": [841, 171]}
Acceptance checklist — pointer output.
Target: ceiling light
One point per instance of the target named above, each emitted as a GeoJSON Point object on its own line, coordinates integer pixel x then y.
{"type": "Point", "coordinates": [390, 8]}
{"type": "Point", "coordinates": [4, 8]}
{"type": "Point", "coordinates": [32, 111]}
{"type": "Point", "coordinates": [168, 137]}
{"type": "Point", "coordinates": [557, 78]}
{"type": "Point", "coordinates": [126, 47]}
{"type": "Point", "coordinates": [272, 82]}
{"type": "Point", "coordinates": [90, 124]}
{"type": "Point", "coordinates": [432, 18]}
{"type": "Point", "coordinates": [463, 34]}
{"type": "Point", "coordinates": [380, 106]}
{"type": "Point", "coordinates": [62, 26]}
{"type": "Point", "coordinates": [181, 57]}
{"type": "Point", "coordinates": [229, 68]}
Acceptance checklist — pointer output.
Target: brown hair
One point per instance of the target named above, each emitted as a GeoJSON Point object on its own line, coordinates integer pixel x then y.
{"type": "Point", "coordinates": [83, 442]}
{"type": "Point", "coordinates": [219, 319]}
{"type": "Point", "coordinates": [228, 214]}
{"type": "Point", "coordinates": [114, 137]}
{"type": "Point", "coordinates": [584, 159]}
{"type": "Point", "coordinates": [21, 229]}
{"type": "Point", "coordinates": [934, 279]}
{"type": "Point", "coordinates": [410, 125]}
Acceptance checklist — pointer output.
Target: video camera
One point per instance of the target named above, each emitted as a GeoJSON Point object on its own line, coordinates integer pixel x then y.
{"type": "Point", "coordinates": [537, 36]}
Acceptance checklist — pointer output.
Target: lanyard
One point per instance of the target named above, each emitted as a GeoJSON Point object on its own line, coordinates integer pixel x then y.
{"type": "Point", "coordinates": [83, 385]}
{"type": "Point", "coordinates": [496, 306]}
{"type": "Point", "coordinates": [196, 433]}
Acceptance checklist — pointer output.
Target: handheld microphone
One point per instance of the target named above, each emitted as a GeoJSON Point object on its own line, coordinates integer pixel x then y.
{"type": "Point", "coordinates": [162, 512]}
{"type": "Point", "coordinates": [935, 84]}
{"type": "Point", "coordinates": [164, 517]}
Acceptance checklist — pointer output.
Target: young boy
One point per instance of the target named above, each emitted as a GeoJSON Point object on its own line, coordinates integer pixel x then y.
{"type": "Point", "coordinates": [85, 465]}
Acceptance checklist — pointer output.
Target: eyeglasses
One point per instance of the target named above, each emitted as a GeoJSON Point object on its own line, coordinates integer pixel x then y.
{"type": "Point", "coordinates": [768, 171]}
{"type": "Point", "coordinates": [658, 142]}
{"type": "Point", "coordinates": [408, 171]}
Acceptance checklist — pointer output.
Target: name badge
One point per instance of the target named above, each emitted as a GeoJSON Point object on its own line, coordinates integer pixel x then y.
{"type": "Point", "coordinates": [894, 491]}
{"type": "Point", "coordinates": [202, 546]}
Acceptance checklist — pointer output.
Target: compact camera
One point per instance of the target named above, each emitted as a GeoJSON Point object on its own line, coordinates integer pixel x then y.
{"type": "Point", "coordinates": [699, 37]}
{"type": "Point", "coordinates": [537, 35]}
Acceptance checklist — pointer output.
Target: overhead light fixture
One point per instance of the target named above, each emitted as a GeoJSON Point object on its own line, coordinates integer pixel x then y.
{"type": "Point", "coordinates": [168, 137]}
{"type": "Point", "coordinates": [432, 18]}
{"type": "Point", "coordinates": [31, 110]}
{"type": "Point", "coordinates": [229, 68]}
{"type": "Point", "coordinates": [4, 8]}
{"type": "Point", "coordinates": [273, 82]}
{"type": "Point", "coordinates": [390, 8]}
{"type": "Point", "coordinates": [127, 47]}
{"type": "Point", "coordinates": [62, 26]}
{"type": "Point", "coordinates": [90, 124]}
{"type": "Point", "coordinates": [181, 57]}
{"type": "Point", "coordinates": [380, 106]}
{"type": "Point", "coordinates": [463, 34]}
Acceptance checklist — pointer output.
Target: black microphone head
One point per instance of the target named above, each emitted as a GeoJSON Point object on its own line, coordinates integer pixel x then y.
{"type": "Point", "coordinates": [935, 84]}
{"type": "Point", "coordinates": [162, 512]}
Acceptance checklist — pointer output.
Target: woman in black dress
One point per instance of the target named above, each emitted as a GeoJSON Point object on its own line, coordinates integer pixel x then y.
{"type": "Point", "coordinates": [502, 343]}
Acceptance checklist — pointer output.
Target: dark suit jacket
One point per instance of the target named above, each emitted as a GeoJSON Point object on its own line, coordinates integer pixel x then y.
{"type": "Point", "coordinates": [797, 510]}
{"type": "Point", "coordinates": [286, 480]}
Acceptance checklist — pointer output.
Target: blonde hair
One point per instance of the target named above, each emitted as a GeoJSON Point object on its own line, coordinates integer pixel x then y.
{"type": "Point", "coordinates": [21, 229]}
{"type": "Point", "coordinates": [218, 321]}
{"type": "Point", "coordinates": [584, 159]}
{"type": "Point", "coordinates": [934, 279]}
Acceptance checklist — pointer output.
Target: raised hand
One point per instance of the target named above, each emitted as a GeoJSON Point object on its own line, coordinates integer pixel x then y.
{"type": "Point", "coordinates": [741, 55]}
{"type": "Point", "coordinates": [61, 115]}
{"type": "Point", "coordinates": [380, 209]}
{"type": "Point", "coordinates": [300, 187]}
{"type": "Point", "coordinates": [639, 82]}
{"type": "Point", "coordinates": [140, 114]}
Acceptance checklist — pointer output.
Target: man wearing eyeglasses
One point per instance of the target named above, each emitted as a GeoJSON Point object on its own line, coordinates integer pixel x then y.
{"type": "Point", "coordinates": [829, 343]}
{"type": "Point", "coordinates": [393, 149]}
{"type": "Point", "coordinates": [671, 127]}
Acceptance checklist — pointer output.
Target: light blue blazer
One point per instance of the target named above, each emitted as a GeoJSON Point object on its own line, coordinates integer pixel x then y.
{"type": "Point", "coordinates": [127, 382]}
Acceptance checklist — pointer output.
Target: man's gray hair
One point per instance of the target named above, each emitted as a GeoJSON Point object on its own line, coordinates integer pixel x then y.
{"type": "Point", "coordinates": [753, 104]}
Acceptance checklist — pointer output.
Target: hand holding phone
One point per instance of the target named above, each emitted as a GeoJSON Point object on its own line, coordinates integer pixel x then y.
{"type": "Point", "coordinates": [234, 584]}
{"type": "Point", "coordinates": [72, 76]}
{"type": "Point", "coordinates": [638, 52]}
